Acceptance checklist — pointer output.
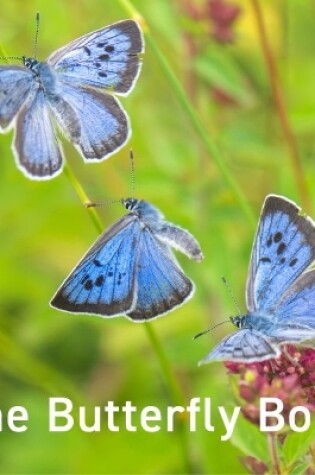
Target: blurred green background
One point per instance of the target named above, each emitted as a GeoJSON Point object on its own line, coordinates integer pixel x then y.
{"type": "Point", "coordinates": [45, 229]}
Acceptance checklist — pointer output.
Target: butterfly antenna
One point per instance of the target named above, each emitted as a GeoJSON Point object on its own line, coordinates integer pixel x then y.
{"type": "Point", "coordinates": [132, 165]}
{"type": "Point", "coordinates": [231, 294]}
{"type": "Point", "coordinates": [210, 329]}
{"type": "Point", "coordinates": [88, 204]}
{"type": "Point", "coordinates": [36, 36]}
{"type": "Point", "coordinates": [5, 58]}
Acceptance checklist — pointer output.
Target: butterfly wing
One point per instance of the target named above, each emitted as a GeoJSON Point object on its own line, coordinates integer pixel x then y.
{"type": "Point", "coordinates": [243, 346]}
{"type": "Point", "coordinates": [15, 85]}
{"type": "Point", "coordinates": [106, 58]}
{"type": "Point", "coordinates": [284, 247]}
{"type": "Point", "coordinates": [103, 282]}
{"type": "Point", "coordinates": [93, 121]}
{"type": "Point", "coordinates": [295, 312]}
{"type": "Point", "coordinates": [36, 148]}
{"type": "Point", "coordinates": [161, 284]}
{"type": "Point", "coordinates": [179, 239]}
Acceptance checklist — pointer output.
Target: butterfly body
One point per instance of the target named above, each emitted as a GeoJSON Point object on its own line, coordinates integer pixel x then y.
{"type": "Point", "coordinates": [73, 89]}
{"type": "Point", "coordinates": [280, 292]}
{"type": "Point", "coordinates": [130, 270]}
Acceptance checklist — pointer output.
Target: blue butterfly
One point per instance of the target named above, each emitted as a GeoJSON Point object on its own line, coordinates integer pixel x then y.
{"type": "Point", "coordinates": [280, 292]}
{"type": "Point", "coordinates": [74, 88]}
{"type": "Point", "coordinates": [130, 270]}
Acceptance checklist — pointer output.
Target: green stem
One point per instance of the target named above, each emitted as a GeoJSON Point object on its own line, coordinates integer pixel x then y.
{"type": "Point", "coordinates": [83, 197]}
{"type": "Point", "coordinates": [281, 107]}
{"type": "Point", "coordinates": [191, 113]}
{"type": "Point", "coordinates": [174, 388]}
{"type": "Point", "coordinates": [272, 444]}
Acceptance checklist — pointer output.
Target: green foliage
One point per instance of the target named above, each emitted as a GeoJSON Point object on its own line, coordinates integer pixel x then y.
{"type": "Point", "coordinates": [297, 444]}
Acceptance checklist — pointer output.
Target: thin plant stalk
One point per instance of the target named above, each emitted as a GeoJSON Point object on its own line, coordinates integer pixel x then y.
{"type": "Point", "coordinates": [281, 107]}
{"type": "Point", "coordinates": [209, 145]}
{"type": "Point", "coordinates": [272, 444]}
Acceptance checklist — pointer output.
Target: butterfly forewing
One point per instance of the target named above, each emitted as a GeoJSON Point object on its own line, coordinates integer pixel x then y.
{"type": "Point", "coordinates": [284, 247]}
{"type": "Point", "coordinates": [107, 58]}
{"type": "Point", "coordinates": [104, 281]}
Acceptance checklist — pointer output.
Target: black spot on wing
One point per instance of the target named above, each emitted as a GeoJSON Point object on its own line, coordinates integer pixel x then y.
{"type": "Point", "coordinates": [88, 285]}
{"type": "Point", "coordinates": [281, 248]}
{"type": "Point", "coordinates": [104, 57]}
{"type": "Point", "coordinates": [99, 280]}
{"type": "Point", "coordinates": [265, 259]}
{"type": "Point", "coordinates": [277, 237]}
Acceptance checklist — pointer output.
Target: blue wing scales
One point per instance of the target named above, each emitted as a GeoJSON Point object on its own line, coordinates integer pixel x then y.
{"type": "Point", "coordinates": [36, 147]}
{"type": "Point", "coordinates": [295, 313]}
{"type": "Point", "coordinates": [94, 121]}
{"type": "Point", "coordinates": [245, 346]}
{"type": "Point", "coordinates": [15, 85]}
{"type": "Point", "coordinates": [106, 58]}
{"type": "Point", "coordinates": [161, 283]}
{"type": "Point", "coordinates": [104, 281]}
{"type": "Point", "coordinates": [284, 247]}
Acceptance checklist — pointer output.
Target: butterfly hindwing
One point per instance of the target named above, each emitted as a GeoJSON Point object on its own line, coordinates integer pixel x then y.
{"type": "Point", "coordinates": [15, 85]}
{"type": "Point", "coordinates": [284, 247]}
{"type": "Point", "coordinates": [180, 239]}
{"type": "Point", "coordinates": [295, 313]}
{"type": "Point", "coordinates": [37, 150]}
{"type": "Point", "coordinates": [243, 346]}
{"type": "Point", "coordinates": [94, 121]}
{"type": "Point", "coordinates": [161, 283]}
{"type": "Point", "coordinates": [106, 58]}
{"type": "Point", "coordinates": [104, 281]}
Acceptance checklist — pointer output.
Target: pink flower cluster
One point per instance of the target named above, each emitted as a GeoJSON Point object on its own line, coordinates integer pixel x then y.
{"type": "Point", "coordinates": [223, 16]}
{"type": "Point", "coordinates": [290, 377]}
{"type": "Point", "coordinates": [220, 16]}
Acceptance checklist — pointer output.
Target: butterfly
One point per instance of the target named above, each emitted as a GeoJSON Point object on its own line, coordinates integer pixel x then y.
{"type": "Point", "coordinates": [74, 88]}
{"type": "Point", "coordinates": [130, 270]}
{"type": "Point", "coordinates": [280, 291]}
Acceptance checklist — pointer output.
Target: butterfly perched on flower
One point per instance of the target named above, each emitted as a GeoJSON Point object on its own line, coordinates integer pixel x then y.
{"type": "Point", "coordinates": [74, 88]}
{"type": "Point", "coordinates": [280, 291]}
{"type": "Point", "coordinates": [130, 270]}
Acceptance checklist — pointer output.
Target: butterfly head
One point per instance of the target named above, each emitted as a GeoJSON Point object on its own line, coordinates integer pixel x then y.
{"type": "Point", "coordinates": [130, 203]}
{"type": "Point", "coordinates": [30, 63]}
{"type": "Point", "coordinates": [239, 321]}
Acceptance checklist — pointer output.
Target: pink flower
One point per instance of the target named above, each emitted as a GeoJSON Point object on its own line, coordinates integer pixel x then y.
{"type": "Point", "coordinates": [290, 377]}
{"type": "Point", "coordinates": [223, 16]}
